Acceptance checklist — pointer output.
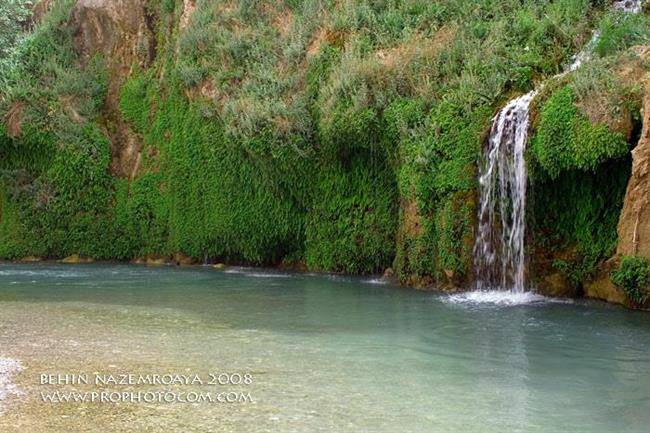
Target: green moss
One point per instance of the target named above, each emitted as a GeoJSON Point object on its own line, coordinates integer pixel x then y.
{"type": "Point", "coordinates": [439, 172]}
{"type": "Point", "coordinates": [56, 182]}
{"type": "Point", "coordinates": [579, 175]}
{"type": "Point", "coordinates": [575, 217]}
{"type": "Point", "coordinates": [351, 225]}
{"type": "Point", "coordinates": [135, 100]}
{"type": "Point", "coordinates": [11, 233]}
{"type": "Point", "coordinates": [633, 276]}
{"type": "Point", "coordinates": [566, 140]}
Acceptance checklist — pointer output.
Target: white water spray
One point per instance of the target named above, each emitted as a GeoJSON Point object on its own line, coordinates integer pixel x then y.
{"type": "Point", "coordinates": [631, 6]}
{"type": "Point", "coordinates": [499, 247]}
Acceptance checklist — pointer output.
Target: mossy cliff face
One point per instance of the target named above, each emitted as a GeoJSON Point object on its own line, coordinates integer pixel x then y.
{"type": "Point", "coordinates": [343, 136]}
{"type": "Point", "coordinates": [585, 126]}
{"type": "Point", "coordinates": [634, 224]}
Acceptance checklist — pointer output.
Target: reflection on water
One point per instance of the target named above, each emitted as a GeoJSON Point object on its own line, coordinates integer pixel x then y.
{"type": "Point", "coordinates": [327, 353]}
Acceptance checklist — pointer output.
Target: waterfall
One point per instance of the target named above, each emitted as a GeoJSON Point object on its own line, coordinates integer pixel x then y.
{"type": "Point", "coordinates": [499, 257]}
{"type": "Point", "coordinates": [584, 55]}
{"type": "Point", "coordinates": [632, 6]}
{"type": "Point", "coordinates": [499, 247]}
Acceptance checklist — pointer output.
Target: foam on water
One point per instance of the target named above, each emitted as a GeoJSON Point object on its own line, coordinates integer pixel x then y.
{"type": "Point", "coordinates": [44, 273]}
{"type": "Point", "coordinates": [630, 6]}
{"type": "Point", "coordinates": [377, 280]}
{"type": "Point", "coordinates": [255, 274]}
{"type": "Point", "coordinates": [8, 367]}
{"type": "Point", "coordinates": [499, 297]}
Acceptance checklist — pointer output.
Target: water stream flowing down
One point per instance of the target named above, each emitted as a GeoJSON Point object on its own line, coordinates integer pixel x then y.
{"type": "Point", "coordinates": [632, 6]}
{"type": "Point", "coordinates": [499, 257]}
{"type": "Point", "coordinates": [499, 248]}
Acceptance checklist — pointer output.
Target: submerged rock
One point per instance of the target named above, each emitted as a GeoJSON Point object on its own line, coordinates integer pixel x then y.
{"type": "Point", "coordinates": [555, 284]}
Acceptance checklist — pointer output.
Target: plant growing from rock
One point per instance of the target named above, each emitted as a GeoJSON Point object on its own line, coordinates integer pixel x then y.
{"type": "Point", "coordinates": [633, 276]}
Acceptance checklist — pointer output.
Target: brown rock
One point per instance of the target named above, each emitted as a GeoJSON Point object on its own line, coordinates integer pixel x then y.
{"type": "Point", "coordinates": [14, 119]}
{"type": "Point", "coordinates": [122, 31]}
{"type": "Point", "coordinates": [634, 222]}
{"type": "Point", "coordinates": [602, 288]}
{"type": "Point", "coordinates": [181, 259]}
{"type": "Point", "coordinates": [155, 261]}
{"type": "Point", "coordinates": [76, 259]}
{"type": "Point", "coordinates": [39, 10]}
{"type": "Point", "coordinates": [30, 259]}
{"type": "Point", "coordinates": [188, 9]}
{"type": "Point", "coordinates": [555, 284]}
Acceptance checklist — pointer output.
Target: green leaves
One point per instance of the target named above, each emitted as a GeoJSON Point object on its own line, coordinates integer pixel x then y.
{"type": "Point", "coordinates": [619, 31]}
{"type": "Point", "coordinates": [566, 140]}
{"type": "Point", "coordinates": [13, 17]}
{"type": "Point", "coordinates": [633, 276]}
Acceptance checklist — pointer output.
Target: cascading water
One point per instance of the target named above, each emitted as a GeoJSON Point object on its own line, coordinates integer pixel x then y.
{"type": "Point", "coordinates": [499, 258]}
{"type": "Point", "coordinates": [632, 6]}
{"type": "Point", "coordinates": [499, 248]}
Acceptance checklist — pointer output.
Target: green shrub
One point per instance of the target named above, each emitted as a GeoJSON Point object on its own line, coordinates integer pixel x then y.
{"type": "Point", "coordinates": [633, 276]}
{"type": "Point", "coordinates": [565, 139]}
{"type": "Point", "coordinates": [14, 15]}
{"type": "Point", "coordinates": [579, 170]}
{"type": "Point", "coordinates": [619, 31]}
{"type": "Point", "coordinates": [135, 100]}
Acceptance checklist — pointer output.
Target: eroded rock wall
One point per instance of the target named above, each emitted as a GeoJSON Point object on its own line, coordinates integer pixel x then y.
{"type": "Point", "coordinates": [122, 32]}
{"type": "Point", "coordinates": [634, 225]}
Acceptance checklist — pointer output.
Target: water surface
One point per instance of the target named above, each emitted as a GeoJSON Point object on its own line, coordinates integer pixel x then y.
{"type": "Point", "coordinates": [327, 353]}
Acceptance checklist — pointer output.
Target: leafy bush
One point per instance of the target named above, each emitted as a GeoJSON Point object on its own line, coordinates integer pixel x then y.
{"type": "Point", "coordinates": [579, 170]}
{"type": "Point", "coordinates": [619, 31]}
{"type": "Point", "coordinates": [13, 18]}
{"type": "Point", "coordinates": [565, 139]}
{"type": "Point", "coordinates": [633, 276]}
{"type": "Point", "coordinates": [57, 185]}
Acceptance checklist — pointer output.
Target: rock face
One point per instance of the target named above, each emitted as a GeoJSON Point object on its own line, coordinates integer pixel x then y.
{"type": "Point", "coordinates": [634, 220]}
{"type": "Point", "coordinates": [600, 285]}
{"type": "Point", "coordinates": [602, 288]}
{"type": "Point", "coordinates": [122, 31]}
{"type": "Point", "coordinates": [634, 224]}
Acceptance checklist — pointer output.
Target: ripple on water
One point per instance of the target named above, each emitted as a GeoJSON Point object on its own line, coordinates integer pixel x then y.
{"type": "Point", "coordinates": [41, 273]}
{"type": "Point", "coordinates": [8, 367]}
{"type": "Point", "coordinates": [378, 280]}
{"type": "Point", "coordinates": [255, 274]}
{"type": "Point", "coordinates": [500, 297]}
